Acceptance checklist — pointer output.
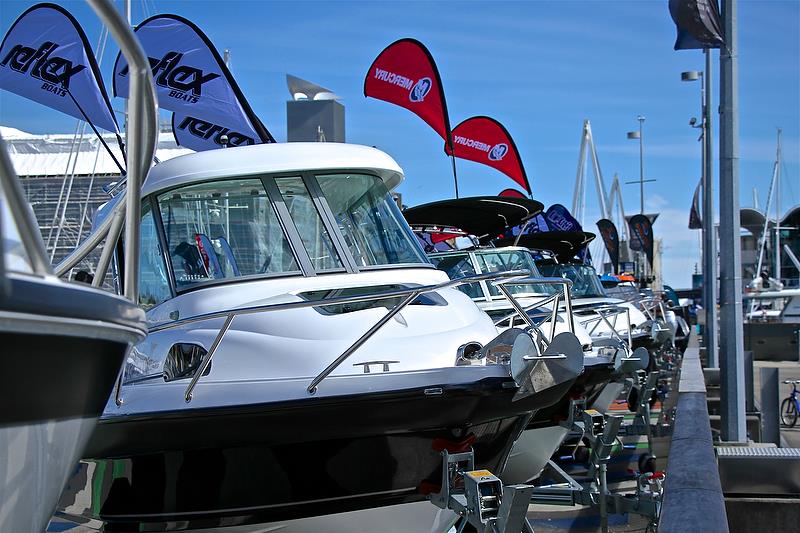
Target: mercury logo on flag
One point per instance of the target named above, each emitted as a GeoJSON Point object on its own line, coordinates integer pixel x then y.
{"type": "Point", "coordinates": [498, 152]}
{"type": "Point", "coordinates": [420, 90]}
{"type": "Point", "coordinates": [53, 70]}
{"type": "Point", "coordinates": [495, 147]}
{"type": "Point", "coordinates": [181, 79]}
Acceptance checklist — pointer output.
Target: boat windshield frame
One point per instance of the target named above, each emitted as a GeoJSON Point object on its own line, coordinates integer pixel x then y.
{"type": "Point", "coordinates": [489, 293]}
{"type": "Point", "coordinates": [583, 271]}
{"type": "Point", "coordinates": [289, 229]}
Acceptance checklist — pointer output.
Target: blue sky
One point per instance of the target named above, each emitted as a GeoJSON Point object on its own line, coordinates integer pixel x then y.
{"type": "Point", "coordinates": [540, 67]}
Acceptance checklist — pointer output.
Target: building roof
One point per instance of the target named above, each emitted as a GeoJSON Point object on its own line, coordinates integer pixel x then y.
{"type": "Point", "coordinates": [54, 155]}
{"type": "Point", "coordinates": [753, 220]}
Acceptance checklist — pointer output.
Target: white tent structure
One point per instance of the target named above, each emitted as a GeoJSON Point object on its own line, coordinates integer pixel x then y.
{"type": "Point", "coordinates": [54, 155]}
{"type": "Point", "coordinates": [65, 177]}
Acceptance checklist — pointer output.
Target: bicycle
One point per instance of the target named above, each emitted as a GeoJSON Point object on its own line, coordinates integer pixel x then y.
{"type": "Point", "coordinates": [790, 407]}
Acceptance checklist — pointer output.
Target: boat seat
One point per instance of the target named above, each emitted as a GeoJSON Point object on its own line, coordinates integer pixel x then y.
{"type": "Point", "coordinates": [188, 257]}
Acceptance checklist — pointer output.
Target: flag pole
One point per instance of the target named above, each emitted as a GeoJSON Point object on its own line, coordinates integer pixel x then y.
{"type": "Point", "coordinates": [453, 159]}
{"type": "Point", "coordinates": [94, 129]}
{"type": "Point", "coordinates": [121, 145]}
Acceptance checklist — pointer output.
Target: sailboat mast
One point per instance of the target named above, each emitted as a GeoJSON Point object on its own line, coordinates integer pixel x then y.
{"type": "Point", "coordinates": [777, 270]}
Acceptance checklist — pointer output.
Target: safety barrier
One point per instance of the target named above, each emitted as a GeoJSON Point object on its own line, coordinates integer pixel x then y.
{"type": "Point", "coordinates": [693, 499]}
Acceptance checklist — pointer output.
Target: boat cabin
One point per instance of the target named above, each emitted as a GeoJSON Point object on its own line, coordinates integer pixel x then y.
{"type": "Point", "coordinates": [271, 211]}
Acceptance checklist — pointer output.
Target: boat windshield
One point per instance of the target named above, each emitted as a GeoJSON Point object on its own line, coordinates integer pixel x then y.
{"type": "Point", "coordinates": [224, 229]}
{"type": "Point", "coordinates": [585, 283]}
{"type": "Point", "coordinates": [370, 221]}
{"type": "Point", "coordinates": [283, 226]}
{"type": "Point", "coordinates": [505, 260]}
{"type": "Point", "coordinates": [461, 264]}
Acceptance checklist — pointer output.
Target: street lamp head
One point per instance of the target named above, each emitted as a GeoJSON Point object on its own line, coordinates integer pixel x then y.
{"type": "Point", "coordinates": [691, 75]}
{"type": "Point", "coordinates": [640, 118]}
{"type": "Point", "coordinates": [633, 135]}
{"type": "Point", "coordinates": [692, 121]}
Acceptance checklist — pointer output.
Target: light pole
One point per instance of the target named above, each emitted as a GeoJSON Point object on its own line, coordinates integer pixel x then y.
{"type": "Point", "coordinates": [709, 234]}
{"type": "Point", "coordinates": [731, 334]}
{"type": "Point", "coordinates": [639, 135]}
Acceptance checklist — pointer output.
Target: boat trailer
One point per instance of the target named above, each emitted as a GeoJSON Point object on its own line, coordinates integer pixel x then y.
{"type": "Point", "coordinates": [603, 432]}
{"type": "Point", "coordinates": [482, 501]}
{"type": "Point", "coordinates": [479, 497]}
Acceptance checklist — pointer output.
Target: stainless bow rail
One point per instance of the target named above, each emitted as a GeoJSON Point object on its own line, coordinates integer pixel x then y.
{"type": "Point", "coordinates": [408, 296]}
{"type": "Point", "coordinates": [142, 130]}
{"type": "Point", "coordinates": [522, 312]}
{"type": "Point", "coordinates": [614, 311]}
{"type": "Point", "coordinates": [651, 306]}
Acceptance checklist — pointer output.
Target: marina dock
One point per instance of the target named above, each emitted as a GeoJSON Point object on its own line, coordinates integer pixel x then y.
{"type": "Point", "coordinates": [212, 323]}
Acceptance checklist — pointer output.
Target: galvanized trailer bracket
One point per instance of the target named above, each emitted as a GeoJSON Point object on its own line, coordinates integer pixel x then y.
{"type": "Point", "coordinates": [641, 417]}
{"type": "Point", "coordinates": [602, 432]}
{"type": "Point", "coordinates": [480, 498]}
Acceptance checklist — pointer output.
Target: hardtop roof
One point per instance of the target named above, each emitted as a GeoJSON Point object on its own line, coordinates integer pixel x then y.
{"type": "Point", "coordinates": [271, 158]}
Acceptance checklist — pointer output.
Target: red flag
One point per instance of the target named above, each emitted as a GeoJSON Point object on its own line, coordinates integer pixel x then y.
{"type": "Point", "coordinates": [511, 193]}
{"type": "Point", "coordinates": [439, 237]}
{"type": "Point", "coordinates": [405, 74]}
{"type": "Point", "coordinates": [484, 140]}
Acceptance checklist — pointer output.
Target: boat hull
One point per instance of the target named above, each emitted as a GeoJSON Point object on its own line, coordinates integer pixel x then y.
{"type": "Point", "coordinates": [263, 463]}
{"type": "Point", "coordinates": [531, 452]}
{"type": "Point", "coordinates": [57, 374]}
{"type": "Point", "coordinates": [37, 458]}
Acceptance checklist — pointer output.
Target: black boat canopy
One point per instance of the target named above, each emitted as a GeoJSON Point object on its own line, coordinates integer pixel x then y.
{"type": "Point", "coordinates": [482, 216]}
{"type": "Point", "coordinates": [564, 244]}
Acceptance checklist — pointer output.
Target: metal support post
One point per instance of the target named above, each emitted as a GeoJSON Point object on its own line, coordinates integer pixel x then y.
{"type": "Point", "coordinates": [770, 404]}
{"type": "Point", "coordinates": [603, 497]}
{"type": "Point", "coordinates": [749, 395]}
{"type": "Point", "coordinates": [604, 443]}
{"type": "Point", "coordinates": [731, 330]}
{"type": "Point", "coordinates": [641, 418]}
{"type": "Point", "coordinates": [709, 237]}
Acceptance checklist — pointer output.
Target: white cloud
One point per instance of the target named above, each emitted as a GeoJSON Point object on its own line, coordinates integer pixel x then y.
{"type": "Point", "coordinates": [681, 247]}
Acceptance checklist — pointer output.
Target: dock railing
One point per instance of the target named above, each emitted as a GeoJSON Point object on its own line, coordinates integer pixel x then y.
{"type": "Point", "coordinates": [693, 498]}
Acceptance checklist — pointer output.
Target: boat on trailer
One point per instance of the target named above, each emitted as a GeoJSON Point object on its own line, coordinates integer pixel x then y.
{"type": "Point", "coordinates": [556, 251]}
{"type": "Point", "coordinates": [303, 358]}
{"type": "Point", "coordinates": [479, 221]}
